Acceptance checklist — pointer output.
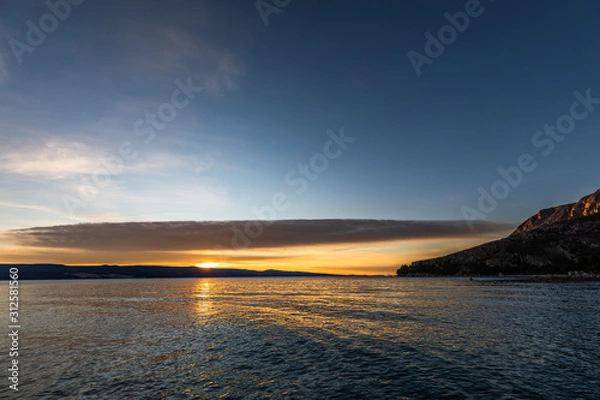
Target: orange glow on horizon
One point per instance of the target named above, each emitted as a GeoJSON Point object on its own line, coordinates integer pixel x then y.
{"type": "Point", "coordinates": [374, 258]}
{"type": "Point", "coordinates": [208, 264]}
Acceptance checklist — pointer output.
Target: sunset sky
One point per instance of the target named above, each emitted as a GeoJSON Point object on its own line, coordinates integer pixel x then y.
{"type": "Point", "coordinates": [130, 116]}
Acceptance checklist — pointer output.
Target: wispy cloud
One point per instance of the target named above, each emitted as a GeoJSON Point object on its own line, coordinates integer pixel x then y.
{"type": "Point", "coordinates": [29, 207]}
{"type": "Point", "coordinates": [122, 65]}
{"type": "Point", "coordinates": [161, 48]}
{"type": "Point", "coordinates": [59, 158]}
{"type": "Point", "coordinates": [55, 158]}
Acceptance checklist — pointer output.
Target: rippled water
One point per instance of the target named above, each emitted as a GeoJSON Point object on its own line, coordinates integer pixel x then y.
{"type": "Point", "coordinates": [321, 338]}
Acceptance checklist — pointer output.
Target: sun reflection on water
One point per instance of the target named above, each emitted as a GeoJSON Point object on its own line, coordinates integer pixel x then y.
{"type": "Point", "coordinates": [202, 289]}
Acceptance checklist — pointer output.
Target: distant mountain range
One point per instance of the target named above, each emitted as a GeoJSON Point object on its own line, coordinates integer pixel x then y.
{"type": "Point", "coordinates": [59, 271]}
{"type": "Point", "coordinates": [554, 241]}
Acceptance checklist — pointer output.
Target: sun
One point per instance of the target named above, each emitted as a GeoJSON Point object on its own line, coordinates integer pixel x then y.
{"type": "Point", "coordinates": [208, 265]}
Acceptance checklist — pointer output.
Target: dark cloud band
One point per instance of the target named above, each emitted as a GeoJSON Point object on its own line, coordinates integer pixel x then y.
{"type": "Point", "coordinates": [182, 236]}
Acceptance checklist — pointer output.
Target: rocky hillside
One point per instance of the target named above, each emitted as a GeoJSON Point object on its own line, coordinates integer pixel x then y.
{"type": "Point", "coordinates": [586, 206]}
{"type": "Point", "coordinates": [555, 240]}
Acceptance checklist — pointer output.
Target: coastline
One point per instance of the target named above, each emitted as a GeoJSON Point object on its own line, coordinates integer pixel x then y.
{"type": "Point", "coordinates": [572, 276]}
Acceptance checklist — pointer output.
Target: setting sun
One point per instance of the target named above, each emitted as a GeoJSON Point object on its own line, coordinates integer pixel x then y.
{"type": "Point", "coordinates": [208, 265]}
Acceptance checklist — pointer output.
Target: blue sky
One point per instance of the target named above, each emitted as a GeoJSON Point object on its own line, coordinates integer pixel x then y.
{"type": "Point", "coordinates": [423, 144]}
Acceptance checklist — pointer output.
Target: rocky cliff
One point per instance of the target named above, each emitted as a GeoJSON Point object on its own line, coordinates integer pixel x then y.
{"type": "Point", "coordinates": [555, 240]}
{"type": "Point", "coordinates": [586, 206]}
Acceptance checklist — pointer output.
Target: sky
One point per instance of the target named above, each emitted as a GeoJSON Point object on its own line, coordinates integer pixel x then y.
{"type": "Point", "coordinates": [144, 114]}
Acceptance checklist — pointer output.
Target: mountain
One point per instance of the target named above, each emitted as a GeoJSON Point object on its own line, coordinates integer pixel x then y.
{"type": "Point", "coordinates": [59, 271]}
{"type": "Point", "coordinates": [586, 206]}
{"type": "Point", "coordinates": [554, 241]}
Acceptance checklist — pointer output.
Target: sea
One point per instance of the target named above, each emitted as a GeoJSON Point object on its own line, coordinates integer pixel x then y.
{"type": "Point", "coordinates": [305, 338]}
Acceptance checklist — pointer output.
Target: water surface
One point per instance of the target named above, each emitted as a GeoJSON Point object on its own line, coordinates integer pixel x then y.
{"type": "Point", "coordinates": [322, 338]}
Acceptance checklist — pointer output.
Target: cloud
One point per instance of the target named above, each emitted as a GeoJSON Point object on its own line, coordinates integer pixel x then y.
{"type": "Point", "coordinates": [28, 207]}
{"type": "Point", "coordinates": [58, 158]}
{"type": "Point", "coordinates": [167, 46]}
{"type": "Point", "coordinates": [55, 159]}
{"type": "Point", "coordinates": [187, 236]}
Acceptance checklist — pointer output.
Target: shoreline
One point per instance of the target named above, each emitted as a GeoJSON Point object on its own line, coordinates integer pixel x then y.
{"type": "Point", "coordinates": [572, 276]}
